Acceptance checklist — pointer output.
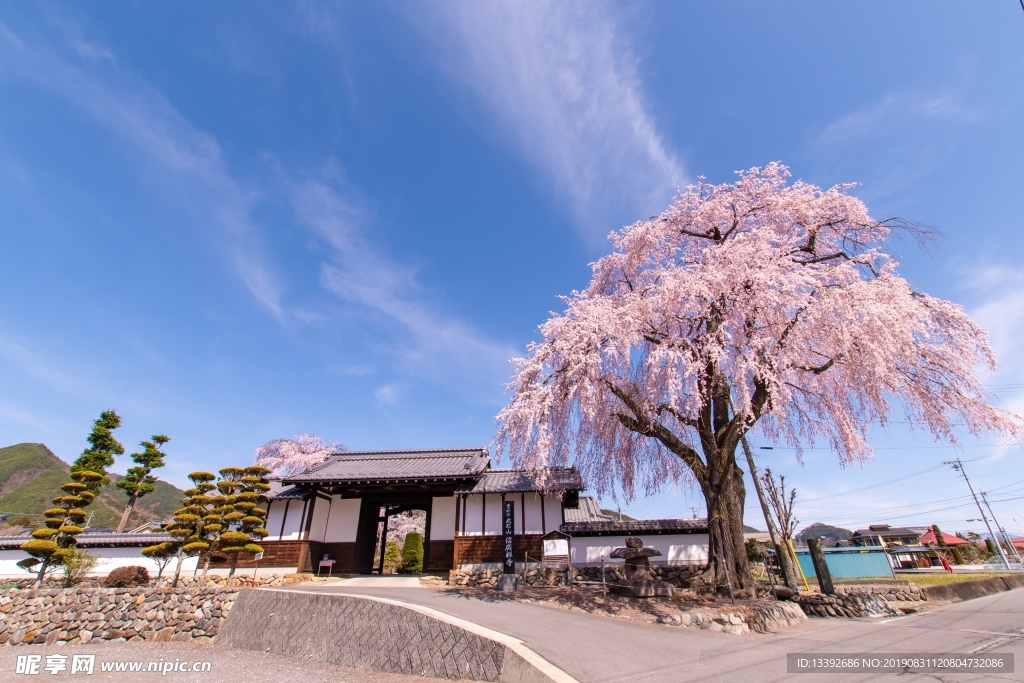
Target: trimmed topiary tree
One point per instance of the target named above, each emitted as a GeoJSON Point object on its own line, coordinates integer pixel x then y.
{"type": "Point", "coordinates": [127, 577]}
{"type": "Point", "coordinates": [140, 480]}
{"type": "Point", "coordinates": [55, 542]}
{"type": "Point", "coordinates": [412, 554]}
{"type": "Point", "coordinates": [392, 557]}
{"type": "Point", "coordinates": [243, 519]}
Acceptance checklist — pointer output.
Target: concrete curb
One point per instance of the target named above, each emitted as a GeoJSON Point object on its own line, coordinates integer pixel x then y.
{"type": "Point", "coordinates": [969, 590]}
{"type": "Point", "coordinates": [518, 663]}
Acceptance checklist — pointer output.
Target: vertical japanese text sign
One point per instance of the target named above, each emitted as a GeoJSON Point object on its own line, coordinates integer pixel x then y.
{"type": "Point", "coordinates": [507, 531]}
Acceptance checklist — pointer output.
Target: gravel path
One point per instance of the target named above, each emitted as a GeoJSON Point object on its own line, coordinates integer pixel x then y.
{"type": "Point", "coordinates": [228, 665]}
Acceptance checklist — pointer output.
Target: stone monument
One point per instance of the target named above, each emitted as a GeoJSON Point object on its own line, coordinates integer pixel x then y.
{"type": "Point", "coordinates": [639, 580]}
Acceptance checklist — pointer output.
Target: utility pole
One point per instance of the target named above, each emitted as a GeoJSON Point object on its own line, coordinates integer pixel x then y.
{"type": "Point", "coordinates": [1006, 537]}
{"type": "Point", "coordinates": [781, 548]}
{"type": "Point", "coordinates": [959, 467]}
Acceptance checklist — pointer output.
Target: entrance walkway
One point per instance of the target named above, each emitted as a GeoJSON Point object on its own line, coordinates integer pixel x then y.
{"type": "Point", "coordinates": [596, 649]}
{"type": "Point", "coordinates": [387, 581]}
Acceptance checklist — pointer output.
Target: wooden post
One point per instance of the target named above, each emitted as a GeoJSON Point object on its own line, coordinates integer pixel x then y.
{"type": "Point", "coordinates": [820, 566]}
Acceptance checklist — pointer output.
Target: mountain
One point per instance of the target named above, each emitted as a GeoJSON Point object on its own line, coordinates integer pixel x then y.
{"type": "Point", "coordinates": [615, 514]}
{"type": "Point", "coordinates": [832, 534]}
{"type": "Point", "coordinates": [30, 475]}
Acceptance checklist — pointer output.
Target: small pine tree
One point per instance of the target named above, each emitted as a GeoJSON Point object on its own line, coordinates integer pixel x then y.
{"type": "Point", "coordinates": [243, 520]}
{"type": "Point", "coordinates": [392, 558]}
{"type": "Point", "coordinates": [990, 547]}
{"type": "Point", "coordinates": [957, 557]}
{"type": "Point", "coordinates": [139, 480]}
{"type": "Point", "coordinates": [939, 538]}
{"type": "Point", "coordinates": [412, 554]}
{"type": "Point", "coordinates": [56, 542]}
{"type": "Point", "coordinates": [161, 554]}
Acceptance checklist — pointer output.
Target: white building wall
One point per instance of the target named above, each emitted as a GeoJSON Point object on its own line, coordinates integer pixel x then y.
{"type": "Point", "coordinates": [318, 527]}
{"type": "Point", "coordinates": [109, 559]}
{"type": "Point", "coordinates": [343, 520]}
{"type": "Point", "coordinates": [681, 549]}
{"type": "Point", "coordinates": [553, 517]}
{"type": "Point", "coordinates": [275, 515]}
{"type": "Point", "coordinates": [442, 519]}
{"type": "Point", "coordinates": [533, 514]}
{"type": "Point", "coordinates": [293, 523]}
{"type": "Point", "coordinates": [493, 521]}
{"type": "Point", "coordinates": [473, 518]}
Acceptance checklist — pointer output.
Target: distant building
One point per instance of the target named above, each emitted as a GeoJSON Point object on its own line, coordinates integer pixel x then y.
{"type": "Point", "coordinates": [928, 538]}
{"type": "Point", "coordinates": [879, 534]}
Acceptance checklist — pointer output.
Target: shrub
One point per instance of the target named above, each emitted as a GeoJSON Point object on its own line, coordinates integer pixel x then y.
{"type": "Point", "coordinates": [392, 558]}
{"type": "Point", "coordinates": [126, 577]}
{"type": "Point", "coordinates": [77, 565]}
{"type": "Point", "coordinates": [412, 554]}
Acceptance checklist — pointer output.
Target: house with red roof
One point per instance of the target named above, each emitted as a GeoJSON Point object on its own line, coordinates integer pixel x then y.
{"type": "Point", "coordinates": [928, 538]}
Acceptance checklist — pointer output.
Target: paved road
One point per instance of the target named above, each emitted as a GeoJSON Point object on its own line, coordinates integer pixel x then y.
{"type": "Point", "coordinates": [596, 649]}
{"type": "Point", "coordinates": [228, 665]}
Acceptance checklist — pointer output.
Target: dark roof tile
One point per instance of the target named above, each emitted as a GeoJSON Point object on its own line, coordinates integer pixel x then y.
{"type": "Point", "coordinates": [353, 466]}
{"type": "Point", "coordinates": [515, 481]}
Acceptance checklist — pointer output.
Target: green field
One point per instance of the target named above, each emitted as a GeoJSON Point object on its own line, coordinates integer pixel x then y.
{"type": "Point", "coordinates": [30, 475]}
{"type": "Point", "coordinates": [941, 579]}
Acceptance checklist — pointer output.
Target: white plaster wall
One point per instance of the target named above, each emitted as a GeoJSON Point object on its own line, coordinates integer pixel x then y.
{"type": "Point", "coordinates": [110, 558]}
{"type": "Point", "coordinates": [675, 548]}
{"type": "Point", "coordinates": [553, 516]}
{"type": "Point", "coordinates": [533, 516]}
{"type": "Point", "coordinates": [275, 515]}
{"type": "Point", "coordinates": [318, 528]}
{"type": "Point", "coordinates": [293, 523]}
{"type": "Point", "coordinates": [343, 520]}
{"type": "Point", "coordinates": [493, 520]}
{"type": "Point", "coordinates": [474, 516]}
{"type": "Point", "coordinates": [442, 519]}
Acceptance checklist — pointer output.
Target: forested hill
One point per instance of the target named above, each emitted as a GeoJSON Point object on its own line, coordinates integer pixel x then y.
{"type": "Point", "coordinates": [30, 475]}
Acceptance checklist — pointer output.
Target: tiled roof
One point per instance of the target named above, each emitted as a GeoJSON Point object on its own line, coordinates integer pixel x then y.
{"type": "Point", "coordinates": [379, 466]}
{"type": "Point", "coordinates": [950, 539]}
{"type": "Point", "coordinates": [586, 512]}
{"type": "Point", "coordinates": [516, 481]}
{"type": "Point", "coordinates": [639, 527]}
{"type": "Point", "coordinates": [890, 531]}
{"type": "Point", "coordinates": [95, 540]}
{"type": "Point", "coordinates": [282, 491]}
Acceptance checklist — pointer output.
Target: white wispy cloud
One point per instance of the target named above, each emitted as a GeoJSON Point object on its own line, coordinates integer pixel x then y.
{"type": "Point", "coordinates": [419, 337]}
{"type": "Point", "coordinates": [87, 75]}
{"type": "Point", "coordinates": [425, 341]}
{"type": "Point", "coordinates": [563, 78]}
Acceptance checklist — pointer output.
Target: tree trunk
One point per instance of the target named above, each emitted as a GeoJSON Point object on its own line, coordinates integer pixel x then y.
{"type": "Point", "coordinates": [788, 571]}
{"type": "Point", "coordinates": [42, 572]}
{"type": "Point", "coordinates": [177, 569]}
{"type": "Point", "coordinates": [127, 511]}
{"type": "Point", "coordinates": [234, 563]}
{"type": "Point", "coordinates": [206, 566]}
{"type": "Point", "coordinates": [724, 495]}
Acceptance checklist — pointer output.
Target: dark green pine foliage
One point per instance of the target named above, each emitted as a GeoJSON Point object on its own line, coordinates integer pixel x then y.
{"type": "Point", "coordinates": [104, 447]}
{"type": "Point", "coordinates": [139, 481]}
{"type": "Point", "coordinates": [412, 554]}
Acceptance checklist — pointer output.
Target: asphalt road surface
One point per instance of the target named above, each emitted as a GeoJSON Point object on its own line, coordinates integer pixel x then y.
{"type": "Point", "coordinates": [227, 665]}
{"type": "Point", "coordinates": [596, 649]}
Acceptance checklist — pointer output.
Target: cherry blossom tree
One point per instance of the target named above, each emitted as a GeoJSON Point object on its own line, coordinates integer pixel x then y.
{"type": "Point", "coordinates": [284, 457]}
{"type": "Point", "coordinates": [752, 303]}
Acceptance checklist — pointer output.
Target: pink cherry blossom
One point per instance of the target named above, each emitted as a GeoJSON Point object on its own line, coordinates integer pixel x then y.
{"type": "Point", "coordinates": [284, 457]}
{"type": "Point", "coordinates": [753, 303]}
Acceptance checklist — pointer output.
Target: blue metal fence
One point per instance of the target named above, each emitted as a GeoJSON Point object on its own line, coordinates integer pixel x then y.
{"type": "Point", "coordinates": [849, 563]}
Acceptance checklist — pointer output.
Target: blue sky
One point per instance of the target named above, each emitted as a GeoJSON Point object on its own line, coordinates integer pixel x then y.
{"type": "Point", "coordinates": [249, 220]}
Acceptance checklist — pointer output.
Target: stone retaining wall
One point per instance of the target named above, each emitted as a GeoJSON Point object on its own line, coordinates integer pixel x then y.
{"type": "Point", "coordinates": [80, 615]}
{"type": "Point", "coordinates": [761, 618]}
{"type": "Point", "coordinates": [556, 576]}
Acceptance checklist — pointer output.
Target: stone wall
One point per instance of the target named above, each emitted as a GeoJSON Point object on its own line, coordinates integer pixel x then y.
{"type": "Point", "coordinates": [763, 618]}
{"type": "Point", "coordinates": [536, 575]}
{"type": "Point", "coordinates": [860, 601]}
{"type": "Point", "coordinates": [80, 615]}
